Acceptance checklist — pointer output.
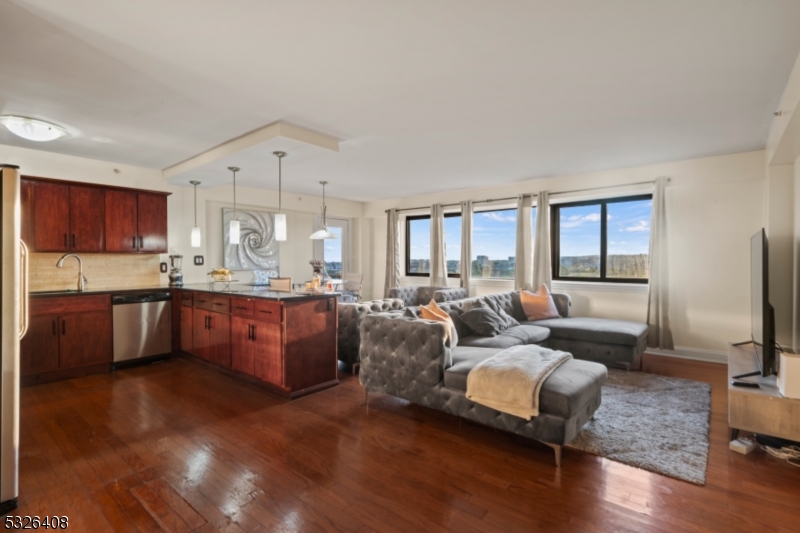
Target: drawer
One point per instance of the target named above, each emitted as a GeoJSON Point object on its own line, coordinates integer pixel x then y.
{"type": "Point", "coordinates": [202, 300]}
{"type": "Point", "coordinates": [187, 298]}
{"type": "Point", "coordinates": [221, 304]}
{"type": "Point", "coordinates": [243, 307]}
{"type": "Point", "coordinates": [268, 311]}
{"type": "Point", "coordinates": [69, 304]}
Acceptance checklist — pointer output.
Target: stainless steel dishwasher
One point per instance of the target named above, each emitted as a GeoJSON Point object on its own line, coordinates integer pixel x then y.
{"type": "Point", "coordinates": [142, 326]}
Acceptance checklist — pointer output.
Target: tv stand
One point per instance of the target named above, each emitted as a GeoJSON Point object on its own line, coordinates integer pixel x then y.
{"type": "Point", "coordinates": [763, 410]}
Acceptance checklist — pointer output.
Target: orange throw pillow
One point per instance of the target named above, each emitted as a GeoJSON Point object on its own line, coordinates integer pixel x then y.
{"type": "Point", "coordinates": [432, 311]}
{"type": "Point", "coordinates": [538, 305]}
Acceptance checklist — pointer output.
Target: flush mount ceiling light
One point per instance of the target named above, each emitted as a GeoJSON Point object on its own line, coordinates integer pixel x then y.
{"type": "Point", "coordinates": [323, 232]}
{"type": "Point", "coordinates": [32, 129]}
{"type": "Point", "coordinates": [280, 218]}
{"type": "Point", "coordinates": [196, 228]}
{"type": "Point", "coordinates": [234, 228]}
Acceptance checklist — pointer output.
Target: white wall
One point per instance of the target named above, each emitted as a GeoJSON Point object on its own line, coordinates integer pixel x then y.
{"type": "Point", "coordinates": [715, 205]}
{"type": "Point", "coordinates": [295, 252]}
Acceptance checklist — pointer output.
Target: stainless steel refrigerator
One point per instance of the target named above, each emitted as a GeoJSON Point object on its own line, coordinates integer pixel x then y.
{"type": "Point", "coordinates": [14, 315]}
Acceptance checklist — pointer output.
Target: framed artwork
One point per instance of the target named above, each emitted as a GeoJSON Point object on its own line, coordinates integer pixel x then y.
{"type": "Point", "coordinates": [257, 248]}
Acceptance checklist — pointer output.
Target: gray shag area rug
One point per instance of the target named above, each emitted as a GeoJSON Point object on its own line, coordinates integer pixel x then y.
{"type": "Point", "coordinates": [652, 422]}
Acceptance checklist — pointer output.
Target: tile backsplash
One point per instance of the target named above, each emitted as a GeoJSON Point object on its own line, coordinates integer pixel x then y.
{"type": "Point", "coordinates": [104, 271]}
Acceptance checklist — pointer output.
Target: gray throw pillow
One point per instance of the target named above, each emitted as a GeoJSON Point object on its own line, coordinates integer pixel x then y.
{"type": "Point", "coordinates": [508, 320]}
{"type": "Point", "coordinates": [483, 321]}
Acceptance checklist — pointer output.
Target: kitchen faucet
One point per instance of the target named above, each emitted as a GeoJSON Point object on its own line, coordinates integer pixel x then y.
{"type": "Point", "coordinates": [82, 281]}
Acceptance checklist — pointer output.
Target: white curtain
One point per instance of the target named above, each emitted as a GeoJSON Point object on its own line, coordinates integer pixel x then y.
{"type": "Point", "coordinates": [542, 269]}
{"type": "Point", "coordinates": [660, 334]}
{"type": "Point", "coordinates": [523, 274]}
{"type": "Point", "coordinates": [438, 248]}
{"type": "Point", "coordinates": [392, 252]}
{"type": "Point", "coordinates": [466, 244]}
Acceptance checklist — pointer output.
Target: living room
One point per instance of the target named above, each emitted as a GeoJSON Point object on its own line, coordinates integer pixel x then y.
{"type": "Point", "coordinates": [647, 145]}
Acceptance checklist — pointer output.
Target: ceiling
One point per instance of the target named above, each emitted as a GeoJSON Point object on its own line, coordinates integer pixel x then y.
{"type": "Point", "coordinates": [423, 95]}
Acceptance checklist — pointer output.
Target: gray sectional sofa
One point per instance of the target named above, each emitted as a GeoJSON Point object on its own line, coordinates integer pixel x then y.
{"type": "Point", "coordinates": [349, 327]}
{"type": "Point", "coordinates": [422, 295]}
{"type": "Point", "coordinates": [410, 358]}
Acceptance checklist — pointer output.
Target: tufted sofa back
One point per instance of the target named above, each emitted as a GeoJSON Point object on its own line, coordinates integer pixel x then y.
{"type": "Point", "coordinates": [350, 316]}
{"type": "Point", "coordinates": [414, 295]}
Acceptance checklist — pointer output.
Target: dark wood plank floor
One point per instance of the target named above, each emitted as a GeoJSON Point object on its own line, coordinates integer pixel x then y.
{"type": "Point", "coordinates": [179, 447]}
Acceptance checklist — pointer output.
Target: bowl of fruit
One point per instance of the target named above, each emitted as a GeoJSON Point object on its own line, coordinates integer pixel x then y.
{"type": "Point", "coordinates": [221, 274]}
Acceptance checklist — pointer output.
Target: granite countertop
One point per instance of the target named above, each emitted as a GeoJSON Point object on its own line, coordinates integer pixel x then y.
{"type": "Point", "coordinates": [246, 291]}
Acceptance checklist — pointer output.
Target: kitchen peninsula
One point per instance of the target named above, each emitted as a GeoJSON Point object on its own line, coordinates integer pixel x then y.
{"type": "Point", "coordinates": [285, 342]}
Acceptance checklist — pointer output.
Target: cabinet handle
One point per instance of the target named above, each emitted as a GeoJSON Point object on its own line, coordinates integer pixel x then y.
{"type": "Point", "coordinates": [73, 241]}
{"type": "Point", "coordinates": [141, 242]}
{"type": "Point", "coordinates": [254, 332]}
{"type": "Point", "coordinates": [66, 242]}
{"type": "Point", "coordinates": [63, 327]}
{"type": "Point", "coordinates": [264, 311]}
{"type": "Point", "coordinates": [240, 307]}
{"type": "Point", "coordinates": [206, 319]}
{"type": "Point", "coordinates": [55, 328]}
{"type": "Point", "coordinates": [249, 332]}
{"type": "Point", "coordinates": [200, 301]}
{"type": "Point", "coordinates": [217, 304]}
{"type": "Point", "coordinates": [134, 242]}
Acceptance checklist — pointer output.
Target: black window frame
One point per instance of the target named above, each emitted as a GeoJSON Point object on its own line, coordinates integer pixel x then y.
{"type": "Point", "coordinates": [555, 223]}
{"type": "Point", "coordinates": [409, 218]}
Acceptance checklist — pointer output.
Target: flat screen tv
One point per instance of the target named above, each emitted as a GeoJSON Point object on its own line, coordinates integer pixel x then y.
{"type": "Point", "coordinates": [762, 314]}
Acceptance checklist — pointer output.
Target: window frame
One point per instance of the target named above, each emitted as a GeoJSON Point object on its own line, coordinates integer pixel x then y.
{"type": "Point", "coordinates": [555, 223]}
{"type": "Point", "coordinates": [409, 218]}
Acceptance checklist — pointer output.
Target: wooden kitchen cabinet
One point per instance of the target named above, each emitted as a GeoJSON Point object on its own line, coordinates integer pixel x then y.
{"type": "Point", "coordinates": [61, 216]}
{"type": "Point", "coordinates": [51, 217]}
{"type": "Point", "coordinates": [268, 352]}
{"type": "Point", "coordinates": [211, 335]}
{"type": "Point", "coordinates": [121, 214]}
{"type": "Point", "coordinates": [39, 347]}
{"type": "Point", "coordinates": [152, 222]}
{"type": "Point", "coordinates": [86, 219]}
{"type": "Point", "coordinates": [67, 336]}
{"type": "Point", "coordinates": [242, 346]}
{"type": "Point", "coordinates": [186, 329]}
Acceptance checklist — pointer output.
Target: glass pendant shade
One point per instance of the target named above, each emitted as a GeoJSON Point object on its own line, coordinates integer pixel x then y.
{"type": "Point", "coordinates": [195, 237]}
{"type": "Point", "coordinates": [323, 233]}
{"type": "Point", "coordinates": [234, 232]}
{"type": "Point", "coordinates": [280, 227]}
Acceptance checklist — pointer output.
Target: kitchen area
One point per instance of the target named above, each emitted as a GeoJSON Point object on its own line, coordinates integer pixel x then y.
{"type": "Point", "coordinates": [97, 302]}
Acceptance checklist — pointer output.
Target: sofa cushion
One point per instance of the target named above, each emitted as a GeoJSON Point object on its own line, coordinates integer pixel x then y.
{"type": "Point", "coordinates": [598, 330]}
{"type": "Point", "coordinates": [433, 312]}
{"type": "Point", "coordinates": [522, 334]}
{"type": "Point", "coordinates": [483, 321]}
{"type": "Point", "coordinates": [538, 305]}
{"type": "Point", "coordinates": [571, 386]}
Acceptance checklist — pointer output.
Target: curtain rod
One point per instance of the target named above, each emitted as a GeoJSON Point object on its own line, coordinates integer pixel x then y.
{"type": "Point", "coordinates": [490, 200]}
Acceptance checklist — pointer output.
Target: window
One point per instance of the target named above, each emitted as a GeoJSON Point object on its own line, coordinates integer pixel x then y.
{"type": "Point", "coordinates": [602, 240]}
{"type": "Point", "coordinates": [418, 244]}
{"type": "Point", "coordinates": [494, 244]}
{"type": "Point", "coordinates": [334, 252]}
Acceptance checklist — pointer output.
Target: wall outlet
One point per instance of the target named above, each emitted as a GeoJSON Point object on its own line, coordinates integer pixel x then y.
{"type": "Point", "coordinates": [163, 268]}
{"type": "Point", "coordinates": [198, 260]}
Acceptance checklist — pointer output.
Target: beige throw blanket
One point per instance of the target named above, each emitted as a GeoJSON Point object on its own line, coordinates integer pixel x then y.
{"type": "Point", "coordinates": [510, 380]}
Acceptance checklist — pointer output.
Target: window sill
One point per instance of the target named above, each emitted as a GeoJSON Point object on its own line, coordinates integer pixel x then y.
{"type": "Point", "coordinates": [599, 286]}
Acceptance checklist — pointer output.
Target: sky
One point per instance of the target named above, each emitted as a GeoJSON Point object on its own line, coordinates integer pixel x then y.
{"type": "Point", "coordinates": [494, 232]}
{"type": "Point", "coordinates": [333, 247]}
{"type": "Point", "coordinates": [628, 229]}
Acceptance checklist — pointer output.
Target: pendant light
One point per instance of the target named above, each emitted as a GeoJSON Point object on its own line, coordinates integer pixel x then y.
{"type": "Point", "coordinates": [280, 218]}
{"type": "Point", "coordinates": [196, 228]}
{"type": "Point", "coordinates": [323, 232]}
{"type": "Point", "coordinates": [234, 228]}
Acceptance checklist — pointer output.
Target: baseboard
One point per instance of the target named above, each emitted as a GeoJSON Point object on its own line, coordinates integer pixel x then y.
{"type": "Point", "coordinates": [692, 354]}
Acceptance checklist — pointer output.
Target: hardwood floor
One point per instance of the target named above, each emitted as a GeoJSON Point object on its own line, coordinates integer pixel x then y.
{"type": "Point", "coordinates": [179, 447]}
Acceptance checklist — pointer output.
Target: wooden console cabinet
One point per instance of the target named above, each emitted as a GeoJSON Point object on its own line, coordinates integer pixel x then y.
{"type": "Point", "coordinates": [290, 345]}
{"type": "Point", "coordinates": [764, 410]}
{"type": "Point", "coordinates": [63, 216]}
{"type": "Point", "coordinates": [68, 336]}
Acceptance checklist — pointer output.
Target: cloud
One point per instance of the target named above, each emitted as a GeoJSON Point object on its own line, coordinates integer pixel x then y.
{"type": "Point", "coordinates": [577, 220]}
{"type": "Point", "coordinates": [641, 225]}
{"type": "Point", "coordinates": [497, 217]}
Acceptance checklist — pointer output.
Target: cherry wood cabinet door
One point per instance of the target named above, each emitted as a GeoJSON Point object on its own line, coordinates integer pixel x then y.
{"type": "Point", "coordinates": [268, 353]}
{"type": "Point", "coordinates": [152, 223]}
{"type": "Point", "coordinates": [199, 334]}
{"type": "Point", "coordinates": [86, 219]}
{"type": "Point", "coordinates": [186, 328]}
{"type": "Point", "coordinates": [219, 339]}
{"type": "Point", "coordinates": [26, 212]}
{"type": "Point", "coordinates": [38, 349]}
{"type": "Point", "coordinates": [242, 345]}
{"type": "Point", "coordinates": [51, 215]}
{"type": "Point", "coordinates": [85, 339]}
{"type": "Point", "coordinates": [120, 221]}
